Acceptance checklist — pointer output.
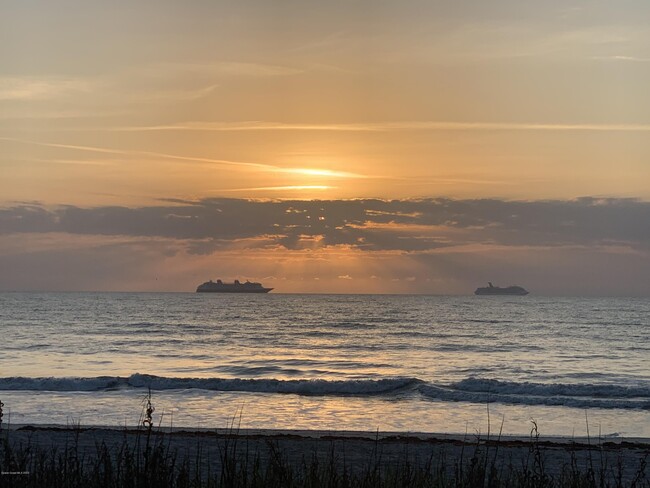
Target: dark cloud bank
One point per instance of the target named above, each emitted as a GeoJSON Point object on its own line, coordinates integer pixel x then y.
{"type": "Point", "coordinates": [586, 246]}
{"type": "Point", "coordinates": [406, 225]}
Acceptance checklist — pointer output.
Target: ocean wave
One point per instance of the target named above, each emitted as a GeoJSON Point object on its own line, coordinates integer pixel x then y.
{"type": "Point", "coordinates": [451, 395]}
{"type": "Point", "coordinates": [301, 387]}
{"type": "Point", "coordinates": [478, 385]}
{"type": "Point", "coordinates": [579, 395]}
{"type": "Point", "coordinates": [472, 389]}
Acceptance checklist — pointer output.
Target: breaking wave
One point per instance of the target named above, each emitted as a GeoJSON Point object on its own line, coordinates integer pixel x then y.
{"type": "Point", "coordinates": [550, 389]}
{"type": "Point", "coordinates": [582, 396]}
{"type": "Point", "coordinates": [474, 390]}
{"type": "Point", "coordinates": [300, 387]}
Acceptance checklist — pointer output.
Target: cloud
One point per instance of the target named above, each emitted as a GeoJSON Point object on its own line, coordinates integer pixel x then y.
{"type": "Point", "coordinates": [632, 59]}
{"type": "Point", "coordinates": [583, 246]}
{"type": "Point", "coordinates": [145, 83]}
{"type": "Point", "coordinates": [278, 188]}
{"type": "Point", "coordinates": [147, 154]}
{"type": "Point", "coordinates": [370, 225]}
{"type": "Point", "coordinates": [324, 173]}
{"type": "Point", "coordinates": [384, 127]}
{"type": "Point", "coordinates": [42, 88]}
{"type": "Point", "coordinates": [169, 95]}
{"type": "Point", "coordinates": [320, 172]}
{"type": "Point", "coordinates": [124, 92]}
{"type": "Point", "coordinates": [216, 68]}
{"type": "Point", "coordinates": [29, 88]}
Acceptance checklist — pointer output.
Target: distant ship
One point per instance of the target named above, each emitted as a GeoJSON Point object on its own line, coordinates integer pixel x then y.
{"type": "Point", "coordinates": [236, 287]}
{"type": "Point", "coordinates": [497, 290]}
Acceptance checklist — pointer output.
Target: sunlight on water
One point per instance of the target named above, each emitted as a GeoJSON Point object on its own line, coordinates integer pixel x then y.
{"type": "Point", "coordinates": [202, 409]}
{"type": "Point", "coordinates": [412, 363]}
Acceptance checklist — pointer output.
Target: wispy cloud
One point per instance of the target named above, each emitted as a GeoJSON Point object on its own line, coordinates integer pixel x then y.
{"type": "Point", "coordinates": [315, 172]}
{"type": "Point", "coordinates": [175, 95]}
{"type": "Point", "coordinates": [327, 173]}
{"type": "Point", "coordinates": [148, 154]}
{"type": "Point", "coordinates": [325, 42]}
{"type": "Point", "coordinates": [456, 180]}
{"type": "Point", "coordinates": [279, 188]}
{"type": "Point", "coordinates": [66, 146]}
{"type": "Point", "coordinates": [73, 162]}
{"type": "Point", "coordinates": [56, 113]}
{"type": "Point", "coordinates": [143, 84]}
{"type": "Point", "coordinates": [527, 39]}
{"type": "Point", "coordinates": [32, 88]}
{"type": "Point", "coordinates": [216, 68]}
{"type": "Point", "coordinates": [386, 126]}
{"type": "Point", "coordinates": [631, 59]}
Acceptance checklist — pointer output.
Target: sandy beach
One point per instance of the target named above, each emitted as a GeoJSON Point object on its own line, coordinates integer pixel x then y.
{"type": "Point", "coordinates": [210, 452]}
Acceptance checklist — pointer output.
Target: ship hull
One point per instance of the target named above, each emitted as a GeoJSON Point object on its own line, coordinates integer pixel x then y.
{"type": "Point", "coordinates": [506, 293]}
{"type": "Point", "coordinates": [263, 290]}
{"type": "Point", "coordinates": [236, 287]}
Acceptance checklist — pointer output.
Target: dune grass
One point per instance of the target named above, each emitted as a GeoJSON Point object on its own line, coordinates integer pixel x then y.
{"type": "Point", "coordinates": [147, 457]}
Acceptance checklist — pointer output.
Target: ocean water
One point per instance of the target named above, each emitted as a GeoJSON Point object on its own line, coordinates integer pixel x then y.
{"type": "Point", "coordinates": [329, 362]}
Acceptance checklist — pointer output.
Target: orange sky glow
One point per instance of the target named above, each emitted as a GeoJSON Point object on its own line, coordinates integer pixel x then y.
{"type": "Point", "coordinates": [203, 105]}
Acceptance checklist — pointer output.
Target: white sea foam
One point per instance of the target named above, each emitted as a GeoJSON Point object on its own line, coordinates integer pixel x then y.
{"type": "Point", "coordinates": [566, 395]}
{"type": "Point", "coordinates": [475, 390]}
{"type": "Point", "coordinates": [300, 387]}
{"type": "Point", "coordinates": [552, 389]}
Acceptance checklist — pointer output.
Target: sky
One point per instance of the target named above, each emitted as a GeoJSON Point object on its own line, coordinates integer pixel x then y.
{"type": "Point", "coordinates": [361, 146]}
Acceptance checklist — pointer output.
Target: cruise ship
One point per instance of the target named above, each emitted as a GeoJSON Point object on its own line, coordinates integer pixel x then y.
{"type": "Point", "coordinates": [235, 287]}
{"type": "Point", "coordinates": [497, 290]}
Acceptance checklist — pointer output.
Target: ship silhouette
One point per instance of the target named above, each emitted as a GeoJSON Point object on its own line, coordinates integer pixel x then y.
{"type": "Point", "coordinates": [235, 287]}
{"type": "Point", "coordinates": [497, 290]}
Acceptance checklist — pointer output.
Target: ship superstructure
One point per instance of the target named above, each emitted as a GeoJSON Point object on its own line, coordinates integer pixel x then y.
{"type": "Point", "coordinates": [235, 287]}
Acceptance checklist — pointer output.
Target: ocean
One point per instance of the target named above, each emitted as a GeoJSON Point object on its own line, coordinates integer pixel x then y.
{"type": "Point", "coordinates": [447, 364]}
